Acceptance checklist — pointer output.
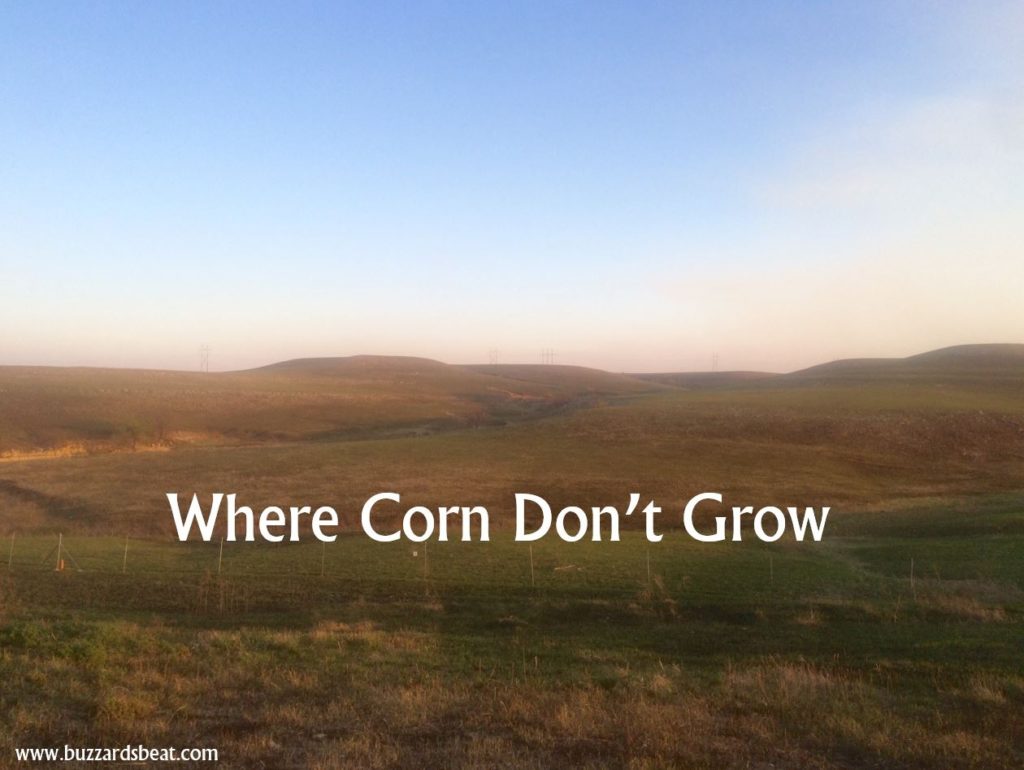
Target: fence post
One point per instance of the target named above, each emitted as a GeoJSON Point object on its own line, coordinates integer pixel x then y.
{"type": "Point", "coordinates": [533, 583]}
{"type": "Point", "coordinates": [220, 556]}
{"type": "Point", "coordinates": [124, 561]}
{"type": "Point", "coordinates": [10, 557]}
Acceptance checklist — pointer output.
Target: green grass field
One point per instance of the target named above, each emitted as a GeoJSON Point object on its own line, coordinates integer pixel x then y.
{"type": "Point", "coordinates": [831, 654]}
{"type": "Point", "coordinates": [896, 642]}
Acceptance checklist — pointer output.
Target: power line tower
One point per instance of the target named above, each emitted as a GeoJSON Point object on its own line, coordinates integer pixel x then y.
{"type": "Point", "coordinates": [204, 358]}
{"type": "Point", "coordinates": [547, 356]}
{"type": "Point", "coordinates": [714, 362]}
{"type": "Point", "coordinates": [492, 356]}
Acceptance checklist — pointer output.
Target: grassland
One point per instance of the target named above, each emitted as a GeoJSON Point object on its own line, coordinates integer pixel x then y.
{"type": "Point", "coordinates": [46, 411]}
{"type": "Point", "coordinates": [358, 654]}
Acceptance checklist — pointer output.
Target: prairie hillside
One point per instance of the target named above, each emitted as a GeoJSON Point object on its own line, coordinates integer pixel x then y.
{"type": "Point", "coordinates": [335, 431]}
{"type": "Point", "coordinates": [988, 365]}
{"type": "Point", "coordinates": [894, 642]}
{"type": "Point", "coordinates": [701, 380]}
{"type": "Point", "coordinates": [51, 410]}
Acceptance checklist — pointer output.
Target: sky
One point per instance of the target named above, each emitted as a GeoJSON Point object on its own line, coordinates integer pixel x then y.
{"type": "Point", "coordinates": [636, 186]}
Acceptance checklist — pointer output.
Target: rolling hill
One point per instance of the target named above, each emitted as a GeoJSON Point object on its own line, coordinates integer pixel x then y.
{"type": "Point", "coordinates": [991, 363]}
{"type": "Point", "coordinates": [54, 410]}
{"type": "Point", "coordinates": [704, 380]}
{"type": "Point", "coordinates": [576, 379]}
{"type": "Point", "coordinates": [443, 433]}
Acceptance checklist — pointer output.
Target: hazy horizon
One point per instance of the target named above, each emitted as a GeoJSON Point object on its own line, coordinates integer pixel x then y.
{"type": "Point", "coordinates": [637, 187]}
{"type": "Point", "coordinates": [715, 364]}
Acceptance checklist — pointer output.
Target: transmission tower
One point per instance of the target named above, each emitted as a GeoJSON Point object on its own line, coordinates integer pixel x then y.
{"type": "Point", "coordinates": [204, 358]}
{"type": "Point", "coordinates": [492, 356]}
{"type": "Point", "coordinates": [547, 356]}
{"type": "Point", "coordinates": [714, 362]}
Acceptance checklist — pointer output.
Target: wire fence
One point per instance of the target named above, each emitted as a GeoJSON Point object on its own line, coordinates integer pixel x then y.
{"type": "Point", "coordinates": [677, 567]}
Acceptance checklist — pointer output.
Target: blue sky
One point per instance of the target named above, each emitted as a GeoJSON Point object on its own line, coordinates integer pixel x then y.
{"type": "Point", "coordinates": [636, 185]}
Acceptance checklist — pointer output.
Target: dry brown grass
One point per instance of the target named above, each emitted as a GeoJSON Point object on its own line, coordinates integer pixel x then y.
{"type": "Point", "coordinates": [352, 694]}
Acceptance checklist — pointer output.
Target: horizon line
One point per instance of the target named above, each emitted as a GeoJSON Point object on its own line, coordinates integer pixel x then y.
{"type": "Point", "coordinates": [533, 364]}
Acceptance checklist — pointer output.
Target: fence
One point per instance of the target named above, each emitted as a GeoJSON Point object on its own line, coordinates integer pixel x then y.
{"type": "Point", "coordinates": [676, 566]}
